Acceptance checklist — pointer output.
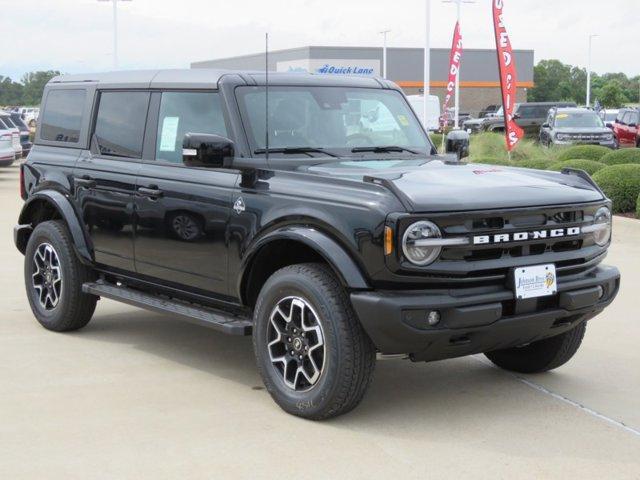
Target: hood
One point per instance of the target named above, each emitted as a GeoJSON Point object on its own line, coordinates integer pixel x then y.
{"type": "Point", "coordinates": [588, 130]}
{"type": "Point", "coordinates": [474, 121]}
{"type": "Point", "coordinates": [439, 186]}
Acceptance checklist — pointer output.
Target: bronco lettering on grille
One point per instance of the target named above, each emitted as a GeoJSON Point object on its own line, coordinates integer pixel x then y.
{"type": "Point", "coordinates": [524, 236]}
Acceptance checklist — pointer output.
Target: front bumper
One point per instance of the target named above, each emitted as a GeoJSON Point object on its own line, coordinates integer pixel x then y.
{"type": "Point", "coordinates": [479, 319]}
{"type": "Point", "coordinates": [604, 143]}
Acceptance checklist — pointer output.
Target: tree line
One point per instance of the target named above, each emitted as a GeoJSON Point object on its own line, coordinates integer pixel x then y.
{"type": "Point", "coordinates": [555, 81]}
{"type": "Point", "coordinates": [28, 91]}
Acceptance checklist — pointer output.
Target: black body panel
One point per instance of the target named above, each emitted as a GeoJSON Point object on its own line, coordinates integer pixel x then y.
{"type": "Point", "coordinates": [200, 234]}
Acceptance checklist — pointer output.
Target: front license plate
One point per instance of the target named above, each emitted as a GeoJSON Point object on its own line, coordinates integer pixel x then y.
{"type": "Point", "coordinates": [538, 281]}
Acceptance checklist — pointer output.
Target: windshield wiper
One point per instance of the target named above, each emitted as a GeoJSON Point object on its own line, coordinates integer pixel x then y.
{"type": "Point", "coordinates": [294, 150]}
{"type": "Point", "coordinates": [383, 149]}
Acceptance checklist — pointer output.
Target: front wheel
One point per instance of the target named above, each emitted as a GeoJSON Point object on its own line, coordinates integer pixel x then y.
{"type": "Point", "coordinates": [53, 278]}
{"type": "Point", "coordinates": [312, 353]}
{"type": "Point", "coordinates": [540, 356]}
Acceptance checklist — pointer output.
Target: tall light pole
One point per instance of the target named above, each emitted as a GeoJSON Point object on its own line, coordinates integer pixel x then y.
{"type": "Point", "coordinates": [427, 63]}
{"type": "Point", "coordinates": [384, 52]}
{"type": "Point", "coordinates": [591, 37]}
{"type": "Point", "coordinates": [115, 30]}
{"type": "Point", "coordinates": [457, 88]}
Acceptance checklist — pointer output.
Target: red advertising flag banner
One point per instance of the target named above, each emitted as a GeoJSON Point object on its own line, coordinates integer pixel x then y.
{"type": "Point", "coordinates": [455, 57]}
{"type": "Point", "coordinates": [508, 79]}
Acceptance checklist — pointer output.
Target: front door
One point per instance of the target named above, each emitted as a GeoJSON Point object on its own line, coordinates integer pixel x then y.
{"type": "Point", "coordinates": [183, 212]}
{"type": "Point", "coordinates": [105, 177]}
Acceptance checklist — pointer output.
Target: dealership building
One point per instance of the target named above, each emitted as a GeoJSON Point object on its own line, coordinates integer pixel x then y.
{"type": "Point", "coordinates": [479, 80]}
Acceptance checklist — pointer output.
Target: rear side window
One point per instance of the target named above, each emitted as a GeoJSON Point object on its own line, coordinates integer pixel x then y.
{"type": "Point", "coordinates": [186, 112]}
{"type": "Point", "coordinates": [121, 122]}
{"type": "Point", "coordinates": [526, 112]}
{"type": "Point", "coordinates": [62, 117]}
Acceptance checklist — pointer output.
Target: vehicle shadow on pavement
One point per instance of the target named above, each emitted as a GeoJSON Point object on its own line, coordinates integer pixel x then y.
{"type": "Point", "coordinates": [225, 356]}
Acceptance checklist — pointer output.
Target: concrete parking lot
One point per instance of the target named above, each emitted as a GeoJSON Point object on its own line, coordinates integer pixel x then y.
{"type": "Point", "coordinates": [140, 395]}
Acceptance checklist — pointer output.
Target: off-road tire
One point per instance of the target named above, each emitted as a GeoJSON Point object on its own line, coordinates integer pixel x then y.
{"type": "Point", "coordinates": [540, 356]}
{"type": "Point", "coordinates": [74, 308]}
{"type": "Point", "coordinates": [350, 355]}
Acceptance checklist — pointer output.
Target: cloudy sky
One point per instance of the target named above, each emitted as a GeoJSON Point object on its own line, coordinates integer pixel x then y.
{"type": "Point", "coordinates": [76, 35]}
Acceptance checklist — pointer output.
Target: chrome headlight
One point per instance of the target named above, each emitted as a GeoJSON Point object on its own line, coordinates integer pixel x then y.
{"type": "Point", "coordinates": [417, 243]}
{"type": "Point", "coordinates": [562, 136]}
{"type": "Point", "coordinates": [607, 136]}
{"type": "Point", "coordinates": [602, 226]}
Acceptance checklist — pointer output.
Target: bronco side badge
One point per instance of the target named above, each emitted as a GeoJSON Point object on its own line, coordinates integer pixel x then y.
{"type": "Point", "coordinates": [239, 206]}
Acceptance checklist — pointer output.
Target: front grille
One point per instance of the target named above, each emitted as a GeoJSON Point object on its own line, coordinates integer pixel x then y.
{"type": "Point", "coordinates": [585, 137]}
{"type": "Point", "coordinates": [492, 263]}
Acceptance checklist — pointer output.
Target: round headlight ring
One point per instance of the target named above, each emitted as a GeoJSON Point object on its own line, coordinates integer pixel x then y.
{"type": "Point", "coordinates": [602, 217]}
{"type": "Point", "coordinates": [421, 230]}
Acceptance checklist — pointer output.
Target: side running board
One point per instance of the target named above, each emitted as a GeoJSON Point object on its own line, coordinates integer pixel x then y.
{"type": "Point", "coordinates": [199, 315]}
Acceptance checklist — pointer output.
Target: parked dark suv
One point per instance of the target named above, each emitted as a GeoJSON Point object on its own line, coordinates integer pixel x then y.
{"type": "Point", "coordinates": [529, 116]}
{"type": "Point", "coordinates": [325, 225]}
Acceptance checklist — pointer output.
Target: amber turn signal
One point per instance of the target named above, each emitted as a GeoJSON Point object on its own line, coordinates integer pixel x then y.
{"type": "Point", "coordinates": [388, 240]}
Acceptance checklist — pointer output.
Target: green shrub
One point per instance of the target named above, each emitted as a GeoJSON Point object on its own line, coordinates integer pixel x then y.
{"type": "Point", "coordinates": [587, 152]}
{"type": "Point", "coordinates": [436, 138]}
{"type": "Point", "coordinates": [536, 163]}
{"type": "Point", "coordinates": [527, 150]}
{"type": "Point", "coordinates": [620, 157]}
{"type": "Point", "coordinates": [491, 145]}
{"type": "Point", "coordinates": [491, 161]}
{"type": "Point", "coordinates": [589, 166]}
{"type": "Point", "coordinates": [621, 183]}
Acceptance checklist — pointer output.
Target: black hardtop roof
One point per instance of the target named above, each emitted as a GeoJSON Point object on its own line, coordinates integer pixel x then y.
{"type": "Point", "coordinates": [209, 78]}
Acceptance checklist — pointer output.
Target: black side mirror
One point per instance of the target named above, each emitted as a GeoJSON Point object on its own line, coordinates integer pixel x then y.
{"type": "Point", "coordinates": [458, 143]}
{"type": "Point", "coordinates": [206, 150]}
{"type": "Point", "coordinates": [546, 125]}
{"type": "Point", "coordinates": [516, 116]}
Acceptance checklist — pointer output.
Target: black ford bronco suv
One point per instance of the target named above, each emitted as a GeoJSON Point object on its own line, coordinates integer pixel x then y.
{"type": "Point", "coordinates": [324, 224]}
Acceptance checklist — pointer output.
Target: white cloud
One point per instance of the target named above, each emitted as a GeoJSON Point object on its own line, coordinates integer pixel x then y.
{"type": "Point", "coordinates": [76, 35]}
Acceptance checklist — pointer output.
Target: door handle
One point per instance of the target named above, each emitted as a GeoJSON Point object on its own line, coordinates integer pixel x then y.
{"type": "Point", "coordinates": [85, 181]}
{"type": "Point", "coordinates": [152, 192]}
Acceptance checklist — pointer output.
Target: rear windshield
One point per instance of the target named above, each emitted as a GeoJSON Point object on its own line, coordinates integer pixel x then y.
{"type": "Point", "coordinates": [8, 122]}
{"type": "Point", "coordinates": [62, 117]}
{"type": "Point", "coordinates": [578, 119]}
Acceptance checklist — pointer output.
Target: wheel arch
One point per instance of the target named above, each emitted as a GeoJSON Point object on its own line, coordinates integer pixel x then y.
{"type": "Point", "coordinates": [290, 245]}
{"type": "Point", "coordinates": [51, 205]}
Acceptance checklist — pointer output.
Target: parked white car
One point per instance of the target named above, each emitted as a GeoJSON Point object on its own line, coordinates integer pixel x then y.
{"type": "Point", "coordinates": [29, 115]}
{"type": "Point", "coordinates": [7, 127]}
{"type": "Point", "coordinates": [7, 152]}
{"type": "Point", "coordinates": [433, 110]}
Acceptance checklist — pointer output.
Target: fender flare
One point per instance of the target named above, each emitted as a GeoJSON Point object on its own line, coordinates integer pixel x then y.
{"type": "Point", "coordinates": [66, 210]}
{"type": "Point", "coordinates": [331, 251]}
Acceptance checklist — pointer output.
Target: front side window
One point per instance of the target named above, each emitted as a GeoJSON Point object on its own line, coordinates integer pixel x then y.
{"type": "Point", "coordinates": [120, 123]}
{"type": "Point", "coordinates": [336, 119]}
{"type": "Point", "coordinates": [62, 117]}
{"type": "Point", "coordinates": [186, 112]}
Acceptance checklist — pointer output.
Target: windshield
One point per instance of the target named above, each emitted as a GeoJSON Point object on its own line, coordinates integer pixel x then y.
{"type": "Point", "coordinates": [610, 116]}
{"type": "Point", "coordinates": [337, 120]}
{"type": "Point", "coordinates": [578, 120]}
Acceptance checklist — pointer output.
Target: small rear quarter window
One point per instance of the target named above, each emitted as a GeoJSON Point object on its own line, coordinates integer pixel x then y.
{"type": "Point", "coordinates": [62, 116]}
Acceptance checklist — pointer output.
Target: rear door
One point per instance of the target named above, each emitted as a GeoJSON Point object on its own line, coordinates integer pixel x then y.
{"type": "Point", "coordinates": [632, 128]}
{"type": "Point", "coordinates": [105, 176]}
{"type": "Point", "coordinates": [183, 212]}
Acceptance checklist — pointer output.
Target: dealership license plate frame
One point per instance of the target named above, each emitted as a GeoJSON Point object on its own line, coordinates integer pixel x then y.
{"type": "Point", "coordinates": [535, 281]}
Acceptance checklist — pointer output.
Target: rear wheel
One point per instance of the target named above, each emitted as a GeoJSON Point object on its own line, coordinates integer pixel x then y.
{"type": "Point", "coordinates": [312, 353]}
{"type": "Point", "coordinates": [540, 356]}
{"type": "Point", "coordinates": [53, 279]}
